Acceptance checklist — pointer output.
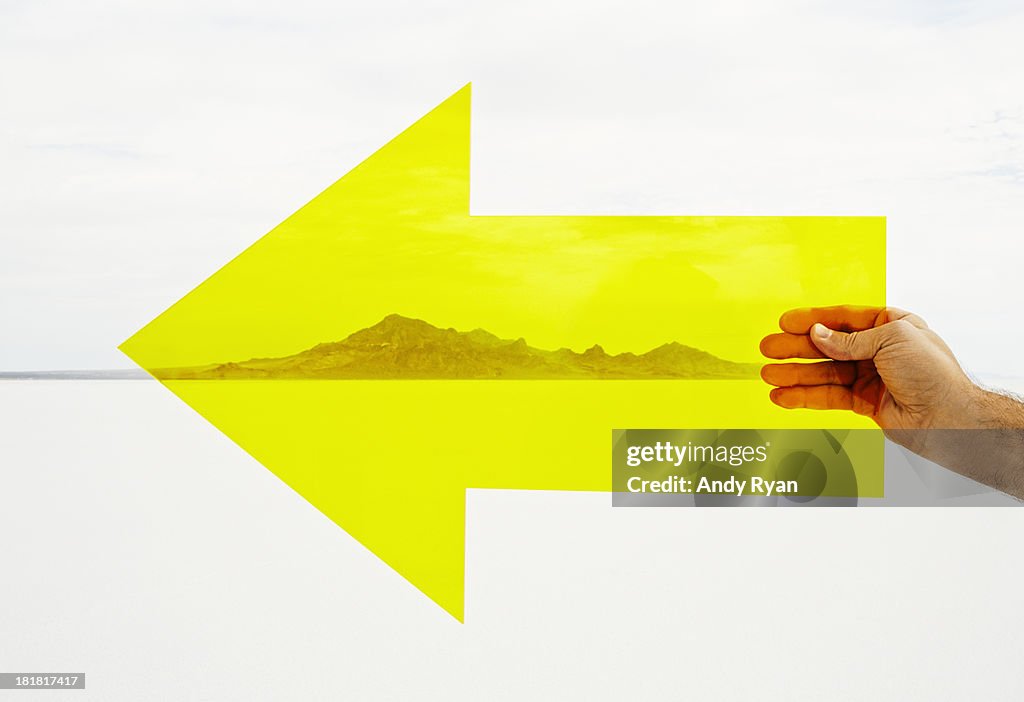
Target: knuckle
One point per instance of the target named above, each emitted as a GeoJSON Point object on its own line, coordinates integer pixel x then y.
{"type": "Point", "coordinates": [894, 314]}
{"type": "Point", "coordinates": [902, 328]}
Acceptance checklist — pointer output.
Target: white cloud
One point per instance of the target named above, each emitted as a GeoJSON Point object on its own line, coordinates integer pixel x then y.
{"type": "Point", "coordinates": [145, 144]}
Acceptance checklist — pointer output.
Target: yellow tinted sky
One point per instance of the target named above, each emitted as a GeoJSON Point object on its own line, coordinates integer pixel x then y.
{"type": "Point", "coordinates": [395, 235]}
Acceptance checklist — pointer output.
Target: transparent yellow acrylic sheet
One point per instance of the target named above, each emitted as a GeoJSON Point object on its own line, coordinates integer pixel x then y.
{"type": "Point", "coordinates": [382, 349]}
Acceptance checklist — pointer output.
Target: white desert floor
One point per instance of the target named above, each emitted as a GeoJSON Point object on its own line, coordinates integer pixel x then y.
{"type": "Point", "coordinates": [143, 548]}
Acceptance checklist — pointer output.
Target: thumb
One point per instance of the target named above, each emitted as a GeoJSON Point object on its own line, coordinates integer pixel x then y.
{"type": "Point", "coordinates": [855, 346]}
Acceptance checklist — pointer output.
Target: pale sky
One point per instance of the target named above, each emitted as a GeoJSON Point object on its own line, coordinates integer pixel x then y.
{"type": "Point", "coordinates": [142, 145]}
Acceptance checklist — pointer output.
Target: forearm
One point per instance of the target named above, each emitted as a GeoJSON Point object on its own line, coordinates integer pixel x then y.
{"type": "Point", "coordinates": [983, 440]}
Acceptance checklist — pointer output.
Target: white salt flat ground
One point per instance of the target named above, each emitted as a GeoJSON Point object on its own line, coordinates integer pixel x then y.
{"type": "Point", "coordinates": [143, 548]}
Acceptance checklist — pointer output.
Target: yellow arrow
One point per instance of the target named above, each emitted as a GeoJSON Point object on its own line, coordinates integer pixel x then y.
{"type": "Point", "coordinates": [390, 460]}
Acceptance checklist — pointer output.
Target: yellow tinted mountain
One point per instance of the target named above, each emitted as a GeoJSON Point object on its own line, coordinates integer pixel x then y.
{"type": "Point", "coordinates": [398, 347]}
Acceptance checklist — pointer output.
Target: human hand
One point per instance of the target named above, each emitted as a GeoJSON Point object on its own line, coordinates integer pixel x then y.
{"type": "Point", "coordinates": [883, 363]}
{"type": "Point", "coordinates": [887, 364]}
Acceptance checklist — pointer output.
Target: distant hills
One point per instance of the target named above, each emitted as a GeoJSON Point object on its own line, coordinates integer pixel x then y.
{"type": "Point", "coordinates": [402, 348]}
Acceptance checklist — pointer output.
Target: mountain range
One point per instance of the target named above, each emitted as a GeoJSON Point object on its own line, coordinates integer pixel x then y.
{"type": "Point", "coordinates": [398, 347]}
